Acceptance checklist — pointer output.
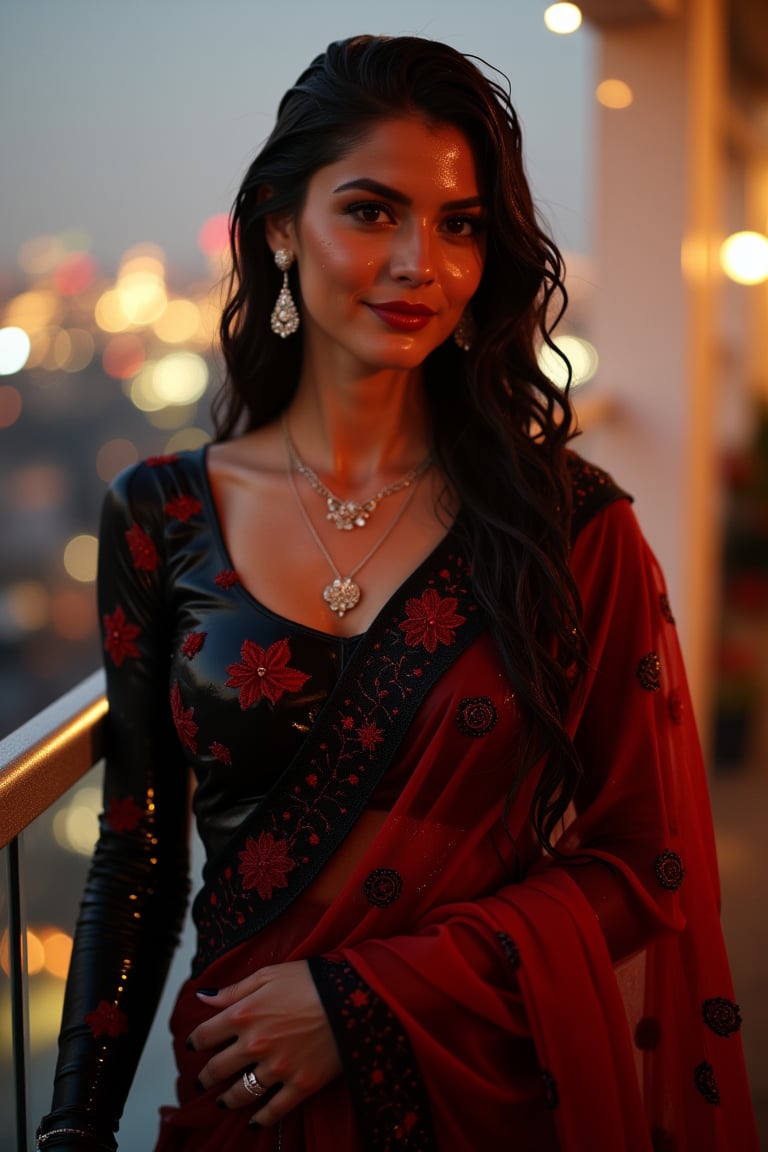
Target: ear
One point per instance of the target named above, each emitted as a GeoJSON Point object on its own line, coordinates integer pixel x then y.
{"type": "Point", "coordinates": [280, 231]}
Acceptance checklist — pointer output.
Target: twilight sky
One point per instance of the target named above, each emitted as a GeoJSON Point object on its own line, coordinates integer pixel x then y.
{"type": "Point", "coordinates": [134, 120]}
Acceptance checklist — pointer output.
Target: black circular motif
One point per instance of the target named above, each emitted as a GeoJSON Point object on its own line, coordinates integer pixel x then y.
{"type": "Point", "coordinates": [551, 1095]}
{"type": "Point", "coordinates": [704, 1079]}
{"type": "Point", "coordinates": [383, 887]}
{"type": "Point", "coordinates": [669, 870]}
{"type": "Point", "coordinates": [476, 715]}
{"type": "Point", "coordinates": [647, 1034]}
{"type": "Point", "coordinates": [510, 950]}
{"type": "Point", "coordinates": [666, 609]}
{"type": "Point", "coordinates": [721, 1015]}
{"type": "Point", "coordinates": [648, 672]}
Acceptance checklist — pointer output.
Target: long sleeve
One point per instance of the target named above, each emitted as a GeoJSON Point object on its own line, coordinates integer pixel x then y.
{"type": "Point", "coordinates": [137, 887]}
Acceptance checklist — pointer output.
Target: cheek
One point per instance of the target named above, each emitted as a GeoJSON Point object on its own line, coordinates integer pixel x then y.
{"type": "Point", "coordinates": [463, 276]}
{"type": "Point", "coordinates": [332, 261]}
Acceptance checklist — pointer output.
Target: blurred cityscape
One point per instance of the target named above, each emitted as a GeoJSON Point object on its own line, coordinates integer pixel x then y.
{"type": "Point", "coordinates": [95, 373]}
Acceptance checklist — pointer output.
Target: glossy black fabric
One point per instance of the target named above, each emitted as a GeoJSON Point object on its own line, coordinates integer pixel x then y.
{"type": "Point", "coordinates": [175, 619]}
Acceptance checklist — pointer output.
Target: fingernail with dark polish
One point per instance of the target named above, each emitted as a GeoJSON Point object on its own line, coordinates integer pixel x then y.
{"type": "Point", "coordinates": [207, 992]}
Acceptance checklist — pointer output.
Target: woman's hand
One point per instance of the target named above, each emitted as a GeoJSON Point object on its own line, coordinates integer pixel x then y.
{"type": "Point", "coordinates": [274, 1023]}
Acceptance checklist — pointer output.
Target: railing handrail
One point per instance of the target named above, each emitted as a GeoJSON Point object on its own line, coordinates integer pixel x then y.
{"type": "Point", "coordinates": [51, 752]}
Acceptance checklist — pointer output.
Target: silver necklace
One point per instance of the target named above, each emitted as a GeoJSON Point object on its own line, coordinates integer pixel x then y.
{"type": "Point", "coordinates": [348, 514]}
{"type": "Point", "coordinates": [343, 594]}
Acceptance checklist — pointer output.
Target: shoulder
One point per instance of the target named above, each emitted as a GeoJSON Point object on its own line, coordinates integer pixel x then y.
{"type": "Point", "coordinates": [592, 490]}
{"type": "Point", "coordinates": [144, 490]}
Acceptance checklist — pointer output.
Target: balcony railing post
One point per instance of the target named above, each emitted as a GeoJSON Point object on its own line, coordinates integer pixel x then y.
{"type": "Point", "coordinates": [17, 946]}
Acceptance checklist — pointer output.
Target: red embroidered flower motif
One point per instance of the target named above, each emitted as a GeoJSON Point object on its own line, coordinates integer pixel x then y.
{"type": "Point", "coordinates": [264, 673]}
{"type": "Point", "coordinates": [358, 998]}
{"type": "Point", "coordinates": [123, 815]}
{"type": "Point", "coordinates": [143, 551]}
{"type": "Point", "coordinates": [119, 636]}
{"type": "Point", "coordinates": [226, 578]}
{"type": "Point", "coordinates": [221, 752]}
{"type": "Point", "coordinates": [369, 735]}
{"type": "Point", "coordinates": [182, 507]}
{"type": "Point", "coordinates": [431, 620]}
{"type": "Point", "coordinates": [193, 642]}
{"type": "Point", "coordinates": [107, 1020]}
{"type": "Point", "coordinates": [183, 719]}
{"type": "Point", "coordinates": [154, 461]}
{"type": "Point", "coordinates": [265, 864]}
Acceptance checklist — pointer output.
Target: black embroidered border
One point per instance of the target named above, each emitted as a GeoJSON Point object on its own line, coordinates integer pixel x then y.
{"type": "Point", "coordinates": [321, 794]}
{"type": "Point", "coordinates": [592, 490]}
{"type": "Point", "coordinates": [388, 1092]}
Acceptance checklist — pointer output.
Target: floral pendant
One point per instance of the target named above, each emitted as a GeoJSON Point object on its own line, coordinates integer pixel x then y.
{"type": "Point", "coordinates": [342, 595]}
{"type": "Point", "coordinates": [346, 514]}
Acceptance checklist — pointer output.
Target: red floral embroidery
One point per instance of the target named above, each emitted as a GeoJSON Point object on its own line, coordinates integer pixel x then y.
{"type": "Point", "coordinates": [264, 864]}
{"type": "Point", "coordinates": [264, 673]}
{"type": "Point", "coordinates": [221, 752]}
{"type": "Point", "coordinates": [193, 642]}
{"type": "Point", "coordinates": [431, 620]}
{"type": "Point", "coordinates": [182, 507]}
{"type": "Point", "coordinates": [107, 1020]}
{"type": "Point", "coordinates": [143, 551]}
{"type": "Point", "coordinates": [123, 815]}
{"type": "Point", "coordinates": [119, 636]}
{"type": "Point", "coordinates": [226, 578]}
{"type": "Point", "coordinates": [154, 461]}
{"type": "Point", "coordinates": [183, 719]}
{"type": "Point", "coordinates": [359, 998]}
{"type": "Point", "coordinates": [369, 735]}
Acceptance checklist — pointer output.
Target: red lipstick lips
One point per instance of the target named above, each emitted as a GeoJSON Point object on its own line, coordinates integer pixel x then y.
{"type": "Point", "coordinates": [403, 315]}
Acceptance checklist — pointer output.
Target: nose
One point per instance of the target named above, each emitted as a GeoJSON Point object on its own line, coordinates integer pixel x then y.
{"type": "Point", "coordinates": [412, 259]}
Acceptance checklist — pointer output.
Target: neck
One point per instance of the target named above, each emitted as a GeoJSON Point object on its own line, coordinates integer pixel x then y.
{"type": "Point", "coordinates": [364, 433]}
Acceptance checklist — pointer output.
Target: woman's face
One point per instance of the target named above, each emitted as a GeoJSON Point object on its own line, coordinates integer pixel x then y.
{"type": "Point", "coordinates": [389, 246]}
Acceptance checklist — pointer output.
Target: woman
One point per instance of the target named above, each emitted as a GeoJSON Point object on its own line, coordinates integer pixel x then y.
{"type": "Point", "coordinates": [460, 889]}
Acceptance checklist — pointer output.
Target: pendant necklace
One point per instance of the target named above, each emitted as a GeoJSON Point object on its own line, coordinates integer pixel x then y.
{"type": "Point", "coordinates": [348, 514]}
{"type": "Point", "coordinates": [343, 594]}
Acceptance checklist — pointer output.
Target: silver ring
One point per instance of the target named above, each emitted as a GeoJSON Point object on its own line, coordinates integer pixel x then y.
{"type": "Point", "coordinates": [252, 1084]}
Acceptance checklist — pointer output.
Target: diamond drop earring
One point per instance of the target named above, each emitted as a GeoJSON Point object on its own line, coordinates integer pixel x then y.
{"type": "Point", "coordinates": [285, 317]}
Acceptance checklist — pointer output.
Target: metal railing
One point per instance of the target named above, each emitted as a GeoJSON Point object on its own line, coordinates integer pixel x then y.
{"type": "Point", "coordinates": [39, 762]}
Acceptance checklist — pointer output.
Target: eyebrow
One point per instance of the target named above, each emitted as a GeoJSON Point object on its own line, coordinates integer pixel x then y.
{"type": "Point", "coordinates": [387, 193]}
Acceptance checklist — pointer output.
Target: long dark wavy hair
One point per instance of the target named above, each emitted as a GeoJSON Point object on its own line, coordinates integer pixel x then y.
{"type": "Point", "coordinates": [499, 425]}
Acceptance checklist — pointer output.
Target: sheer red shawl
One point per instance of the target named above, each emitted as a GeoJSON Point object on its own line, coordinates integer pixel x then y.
{"type": "Point", "coordinates": [588, 1008]}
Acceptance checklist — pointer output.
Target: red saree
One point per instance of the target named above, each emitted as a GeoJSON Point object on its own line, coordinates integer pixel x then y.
{"type": "Point", "coordinates": [587, 1007]}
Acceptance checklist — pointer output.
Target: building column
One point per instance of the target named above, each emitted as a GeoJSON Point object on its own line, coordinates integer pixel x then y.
{"type": "Point", "coordinates": [658, 177]}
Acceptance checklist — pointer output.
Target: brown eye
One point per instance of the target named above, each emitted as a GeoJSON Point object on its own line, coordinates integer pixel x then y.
{"type": "Point", "coordinates": [463, 225]}
{"type": "Point", "coordinates": [369, 212]}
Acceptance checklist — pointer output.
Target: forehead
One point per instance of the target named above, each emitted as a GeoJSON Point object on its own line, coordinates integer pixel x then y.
{"type": "Point", "coordinates": [408, 154]}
